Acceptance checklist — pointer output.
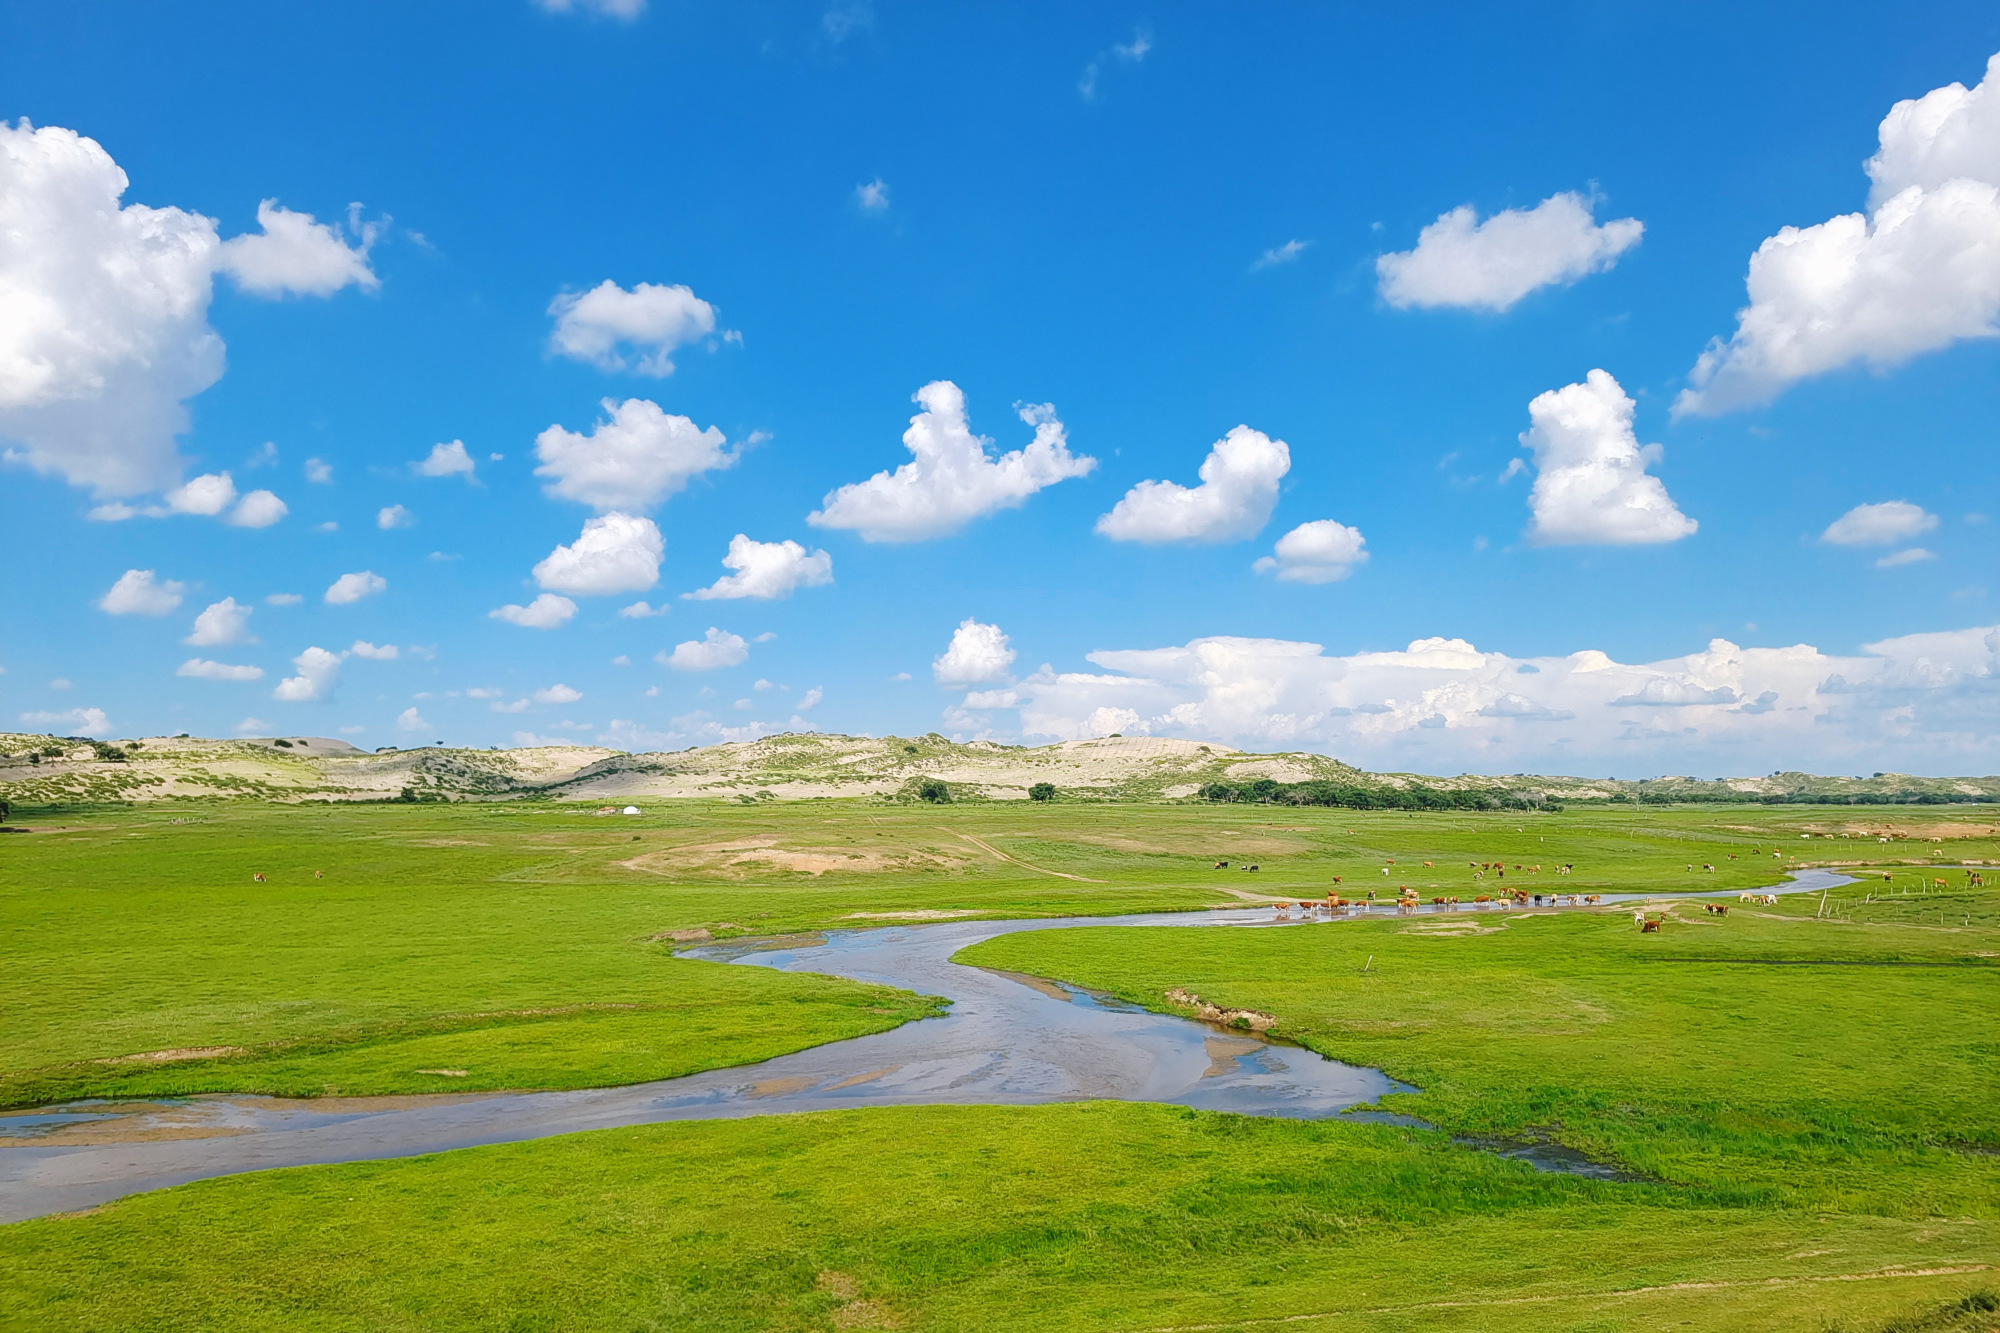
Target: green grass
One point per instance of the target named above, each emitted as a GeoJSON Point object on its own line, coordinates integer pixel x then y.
{"type": "Point", "coordinates": [1096, 1216]}
{"type": "Point", "coordinates": [1764, 1057]}
{"type": "Point", "coordinates": [1809, 1113]}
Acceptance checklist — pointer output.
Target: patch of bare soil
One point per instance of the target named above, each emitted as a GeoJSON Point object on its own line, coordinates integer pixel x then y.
{"type": "Point", "coordinates": [918, 914]}
{"type": "Point", "coordinates": [166, 1057]}
{"type": "Point", "coordinates": [1222, 1053]}
{"type": "Point", "coordinates": [448, 842]}
{"type": "Point", "coordinates": [740, 858]}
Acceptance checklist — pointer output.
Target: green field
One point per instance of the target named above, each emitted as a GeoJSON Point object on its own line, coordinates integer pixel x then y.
{"type": "Point", "coordinates": [1808, 1088]}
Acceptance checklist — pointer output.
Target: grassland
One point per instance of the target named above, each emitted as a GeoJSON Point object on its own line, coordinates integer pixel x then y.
{"type": "Point", "coordinates": [1819, 1128]}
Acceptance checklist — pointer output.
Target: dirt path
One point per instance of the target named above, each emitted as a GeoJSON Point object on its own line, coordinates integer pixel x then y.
{"type": "Point", "coordinates": [996, 853]}
{"type": "Point", "coordinates": [1952, 1271]}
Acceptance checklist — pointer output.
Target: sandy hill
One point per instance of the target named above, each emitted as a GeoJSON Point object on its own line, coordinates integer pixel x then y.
{"type": "Point", "coordinates": [38, 770]}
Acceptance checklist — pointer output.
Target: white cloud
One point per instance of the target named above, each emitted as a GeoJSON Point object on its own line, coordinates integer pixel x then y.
{"type": "Point", "coordinates": [1285, 254]}
{"type": "Point", "coordinates": [809, 700]}
{"type": "Point", "coordinates": [283, 599]}
{"type": "Point", "coordinates": [976, 653]}
{"type": "Point", "coordinates": [1125, 53]}
{"type": "Point", "coordinates": [411, 721]}
{"type": "Point", "coordinates": [75, 722]}
{"type": "Point", "coordinates": [615, 553]}
{"type": "Point", "coordinates": [872, 196]}
{"type": "Point", "coordinates": [226, 621]}
{"type": "Point", "coordinates": [1919, 271]}
{"type": "Point", "coordinates": [265, 456]}
{"type": "Point", "coordinates": [545, 612]}
{"type": "Point", "coordinates": [651, 320]}
{"type": "Point", "coordinates": [1882, 524]}
{"type": "Point", "coordinates": [1947, 134]}
{"type": "Point", "coordinates": [516, 706]}
{"type": "Point", "coordinates": [395, 516]}
{"type": "Point", "coordinates": [950, 480]}
{"type": "Point", "coordinates": [641, 610]}
{"type": "Point", "coordinates": [139, 592]}
{"type": "Point", "coordinates": [615, 9]}
{"type": "Point", "coordinates": [387, 652]}
{"type": "Point", "coordinates": [557, 694]}
{"type": "Point", "coordinates": [1460, 261]}
{"type": "Point", "coordinates": [319, 672]}
{"type": "Point", "coordinates": [1592, 487]}
{"type": "Point", "coordinates": [319, 472]}
{"type": "Point", "coordinates": [105, 332]}
{"type": "Point", "coordinates": [483, 692]}
{"type": "Point", "coordinates": [1238, 490]}
{"type": "Point", "coordinates": [717, 648]}
{"type": "Point", "coordinates": [633, 460]}
{"type": "Point", "coordinates": [200, 669]}
{"type": "Point", "coordinates": [766, 570]}
{"type": "Point", "coordinates": [1925, 703]}
{"type": "Point", "coordinates": [206, 495]}
{"type": "Point", "coordinates": [258, 509]}
{"type": "Point", "coordinates": [296, 255]}
{"type": "Point", "coordinates": [1911, 556]}
{"type": "Point", "coordinates": [353, 587]}
{"type": "Point", "coordinates": [1321, 551]}
{"type": "Point", "coordinates": [446, 460]}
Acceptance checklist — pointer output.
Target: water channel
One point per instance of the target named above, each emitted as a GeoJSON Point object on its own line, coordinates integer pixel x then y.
{"type": "Point", "coordinates": [1007, 1040]}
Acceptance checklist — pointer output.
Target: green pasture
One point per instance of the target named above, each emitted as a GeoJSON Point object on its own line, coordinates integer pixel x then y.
{"type": "Point", "coordinates": [1808, 1088]}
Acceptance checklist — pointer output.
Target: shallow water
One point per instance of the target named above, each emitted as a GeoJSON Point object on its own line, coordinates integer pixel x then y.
{"type": "Point", "coordinates": [1008, 1040]}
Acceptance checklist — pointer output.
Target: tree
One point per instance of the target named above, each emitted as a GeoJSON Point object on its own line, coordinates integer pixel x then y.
{"type": "Point", "coordinates": [935, 791]}
{"type": "Point", "coordinates": [1042, 791]}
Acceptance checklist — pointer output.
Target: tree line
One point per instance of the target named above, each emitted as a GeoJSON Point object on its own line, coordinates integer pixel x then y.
{"type": "Point", "coordinates": [1355, 796]}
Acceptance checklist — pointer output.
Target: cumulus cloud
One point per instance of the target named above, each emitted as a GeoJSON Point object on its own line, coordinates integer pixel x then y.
{"type": "Point", "coordinates": [105, 332]}
{"type": "Point", "coordinates": [809, 700]}
{"type": "Point", "coordinates": [717, 648]}
{"type": "Point", "coordinates": [649, 322]}
{"type": "Point", "coordinates": [545, 612]}
{"type": "Point", "coordinates": [766, 570]}
{"type": "Point", "coordinates": [387, 652]}
{"type": "Point", "coordinates": [1911, 556]}
{"type": "Point", "coordinates": [1882, 524]}
{"type": "Point", "coordinates": [75, 722]}
{"type": "Point", "coordinates": [284, 599]}
{"type": "Point", "coordinates": [353, 587]}
{"type": "Point", "coordinates": [206, 495]}
{"type": "Point", "coordinates": [1592, 487]}
{"type": "Point", "coordinates": [201, 669]}
{"type": "Point", "coordinates": [1917, 272]}
{"type": "Point", "coordinates": [318, 673]}
{"type": "Point", "coordinates": [449, 459]}
{"type": "Point", "coordinates": [1490, 265]}
{"type": "Point", "coordinates": [1321, 551]}
{"type": "Point", "coordinates": [641, 610]}
{"type": "Point", "coordinates": [976, 653]}
{"type": "Point", "coordinates": [872, 196]}
{"type": "Point", "coordinates": [950, 480]}
{"type": "Point", "coordinates": [258, 509]}
{"type": "Point", "coordinates": [557, 694]}
{"type": "Point", "coordinates": [140, 592]}
{"type": "Point", "coordinates": [296, 255]}
{"type": "Point", "coordinates": [410, 721]}
{"type": "Point", "coordinates": [633, 459]}
{"type": "Point", "coordinates": [615, 553]}
{"type": "Point", "coordinates": [319, 472]}
{"type": "Point", "coordinates": [1921, 703]}
{"type": "Point", "coordinates": [1238, 491]}
{"type": "Point", "coordinates": [226, 621]}
{"type": "Point", "coordinates": [394, 516]}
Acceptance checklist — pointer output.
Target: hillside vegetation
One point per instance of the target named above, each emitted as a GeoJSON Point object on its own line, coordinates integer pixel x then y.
{"type": "Point", "coordinates": [42, 771]}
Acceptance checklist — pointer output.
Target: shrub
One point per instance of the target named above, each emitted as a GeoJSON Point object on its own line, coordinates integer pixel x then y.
{"type": "Point", "coordinates": [1042, 791]}
{"type": "Point", "coordinates": [935, 791]}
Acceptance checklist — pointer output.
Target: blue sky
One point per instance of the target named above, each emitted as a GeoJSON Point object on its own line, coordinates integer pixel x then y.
{"type": "Point", "coordinates": [1162, 222]}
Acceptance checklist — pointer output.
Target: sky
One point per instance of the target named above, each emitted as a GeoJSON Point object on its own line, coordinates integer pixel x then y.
{"type": "Point", "coordinates": [1589, 388]}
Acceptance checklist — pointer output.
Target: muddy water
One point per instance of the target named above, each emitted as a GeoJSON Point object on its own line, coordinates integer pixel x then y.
{"type": "Point", "coordinates": [1008, 1040]}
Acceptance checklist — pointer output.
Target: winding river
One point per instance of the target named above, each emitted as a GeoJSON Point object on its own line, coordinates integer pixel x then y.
{"type": "Point", "coordinates": [1007, 1040]}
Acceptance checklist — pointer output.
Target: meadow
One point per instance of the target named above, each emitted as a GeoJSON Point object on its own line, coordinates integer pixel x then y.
{"type": "Point", "coordinates": [1806, 1091]}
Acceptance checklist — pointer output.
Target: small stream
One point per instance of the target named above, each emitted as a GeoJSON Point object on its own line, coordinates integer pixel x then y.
{"type": "Point", "coordinates": [1008, 1040]}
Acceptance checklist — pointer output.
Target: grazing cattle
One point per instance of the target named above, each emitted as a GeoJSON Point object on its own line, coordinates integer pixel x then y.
{"type": "Point", "coordinates": [1593, 897]}
{"type": "Point", "coordinates": [1649, 927]}
{"type": "Point", "coordinates": [1392, 860]}
{"type": "Point", "coordinates": [1709, 868]}
{"type": "Point", "coordinates": [1437, 902]}
{"type": "Point", "coordinates": [1222, 865]}
{"type": "Point", "coordinates": [1451, 900]}
{"type": "Point", "coordinates": [1385, 872]}
{"type": "Point", "coordinates": [1253, 867]}
{"type": "Point", "coordinates": [1732, 856]}
{"type": "Point", "coordinates": [1974, 880]}
{"type": "Point", "coordinates": [1720, 909]}
{"type": "Point", "coordinates": [258, 877]}
{"type": "Point", "coordinates": [1482, 898]}
{"type": "Point", "coordinates": [318, 875]}
{"type": "Point", "coordinates": [1427, 865]}
{"type": "Point", "coordinates": [1939, 884]}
